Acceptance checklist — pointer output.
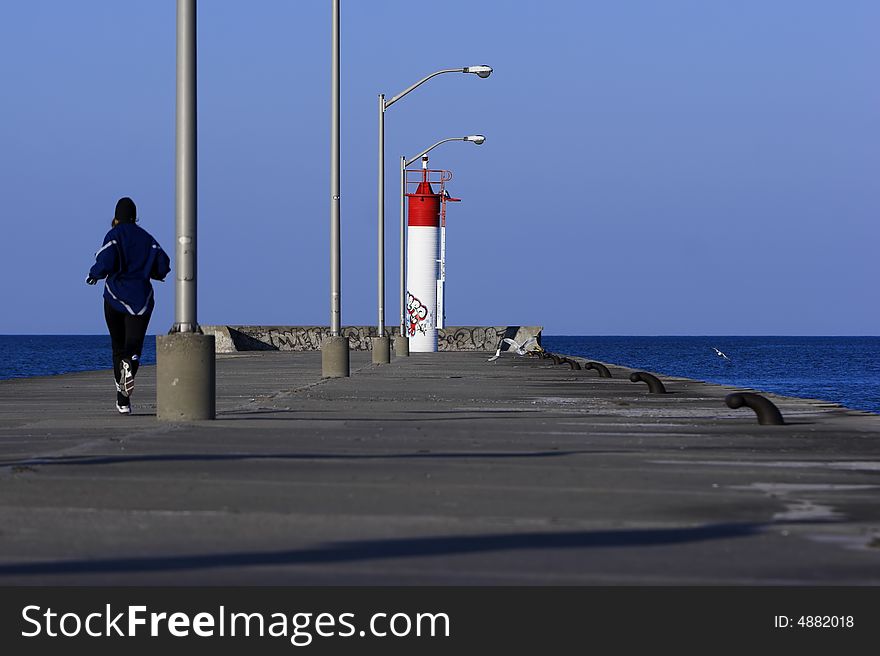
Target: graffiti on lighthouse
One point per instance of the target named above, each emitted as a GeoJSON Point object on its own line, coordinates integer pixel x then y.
{"type": "Point", "coordinates": [421, 320]}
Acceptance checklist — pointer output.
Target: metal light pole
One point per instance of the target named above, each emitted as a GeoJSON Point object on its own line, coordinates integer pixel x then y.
{"type": "Point", "coordinates": [401, 342]}
{"type": "Point", "coordinates": [381, 344]}
{"type": "Point", "coordinates": [186, 155]}
{"type": "Point", "coordinates": [404, 162]}
{"type": "Point", "coordinates": [185, 373]}
{"type": "Point", "coordinates": [334, 349]}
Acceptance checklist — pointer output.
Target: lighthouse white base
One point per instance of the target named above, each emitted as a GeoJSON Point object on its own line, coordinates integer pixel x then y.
{"type": "Point", "coordinates": [423, 244]}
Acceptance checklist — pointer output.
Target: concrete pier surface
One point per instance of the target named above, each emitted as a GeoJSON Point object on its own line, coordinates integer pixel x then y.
{"type": "Point", "coordinates": [438, 468]}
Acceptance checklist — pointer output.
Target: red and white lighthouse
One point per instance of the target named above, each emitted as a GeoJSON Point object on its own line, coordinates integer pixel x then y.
{"type": "Point", "coordinates": [422, 265]}
{"type": "Point", "coordinates": [426, 213]}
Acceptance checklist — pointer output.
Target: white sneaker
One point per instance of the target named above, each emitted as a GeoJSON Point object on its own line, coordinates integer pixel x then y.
{"type": "Point", "coordinates": [124, 409]}
{"type": "Point", "coordinates": [127, 383]}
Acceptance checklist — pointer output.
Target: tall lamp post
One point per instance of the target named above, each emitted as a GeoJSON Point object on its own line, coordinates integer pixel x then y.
{"type": "Point", "coordinates": [477, 139]}
{"type": "Point", "coordinates": [381, 343]}
{"type": "Point", "coordinates": [334, 348]}
{"type": "Point", "coordinates": [185, 367]}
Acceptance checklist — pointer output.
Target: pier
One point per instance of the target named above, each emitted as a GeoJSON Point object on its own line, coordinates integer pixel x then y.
{"type": "Point", "coordinates": [440, 468]}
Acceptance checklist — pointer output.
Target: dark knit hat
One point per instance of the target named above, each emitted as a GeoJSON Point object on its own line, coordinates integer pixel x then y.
{"type": "Point", "coordinates": [126, 210]}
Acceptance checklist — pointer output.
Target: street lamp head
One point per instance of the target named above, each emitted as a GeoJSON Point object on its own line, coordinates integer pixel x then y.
{"type": "Point", "coordinates": [476, 138]}
{"type": "Point", "coordinates": [481, 71]}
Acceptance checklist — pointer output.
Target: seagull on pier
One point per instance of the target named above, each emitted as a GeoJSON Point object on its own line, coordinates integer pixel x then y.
{"type": "Point", "coordinates": [720, 354]}
{"type": "Point", "coordinates": [516, 347]}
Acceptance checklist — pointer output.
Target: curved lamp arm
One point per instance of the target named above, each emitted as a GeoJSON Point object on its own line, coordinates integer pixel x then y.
{"type": "Point", "coordinates": [400, 95]}
{"type": "Point", "coordinates": [476, 138]}
{"type": "Point", "coordinates": [481, 71]}
{"type": "Point", "coordinates": [427, 150]}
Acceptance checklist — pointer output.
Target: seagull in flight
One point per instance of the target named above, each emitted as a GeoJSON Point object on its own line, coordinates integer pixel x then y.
{"type": "Point", "coordinates": [519, 349]}
{"type": "Point", "coordinates": [720, 354]}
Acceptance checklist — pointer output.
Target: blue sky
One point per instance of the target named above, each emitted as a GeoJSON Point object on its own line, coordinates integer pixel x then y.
{"type": "Point", "coordinates": [683, 167]}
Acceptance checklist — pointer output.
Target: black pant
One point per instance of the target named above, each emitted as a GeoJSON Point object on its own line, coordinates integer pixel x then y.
{"type": "Point", "coordinates": [127, 334]}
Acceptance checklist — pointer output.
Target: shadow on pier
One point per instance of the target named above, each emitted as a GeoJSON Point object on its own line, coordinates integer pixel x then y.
{"type": "Point", "coordinates": [224, 457]}
{"type": "Point", "coordinates": [367, 550]}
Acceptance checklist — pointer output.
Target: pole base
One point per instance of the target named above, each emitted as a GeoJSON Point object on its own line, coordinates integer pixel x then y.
{"type": "Point", "coordinates": [185, 377]}
{"type": "Point", "coordinates": [401, 346]}
{"type": "Point", "coordinates": [381, 349]}
{"type": "Point", "coordinates": [334, 357]}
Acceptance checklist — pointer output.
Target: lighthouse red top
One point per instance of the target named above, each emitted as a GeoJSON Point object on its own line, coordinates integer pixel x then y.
{"type": "Point", "coordinates": [424, 206]}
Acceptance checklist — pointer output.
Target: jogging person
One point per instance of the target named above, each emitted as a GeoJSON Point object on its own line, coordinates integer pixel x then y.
{"type": "Point", "coordinates": [128, 259]}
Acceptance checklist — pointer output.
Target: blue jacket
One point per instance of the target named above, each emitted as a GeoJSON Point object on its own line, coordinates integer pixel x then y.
{"type": "Point", "coordinates": [129, 258]}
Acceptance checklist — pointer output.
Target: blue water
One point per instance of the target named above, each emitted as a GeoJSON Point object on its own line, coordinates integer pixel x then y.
{"type": "Point", "coordinates": [844, 370]}
{"type": "Point", "coordinates": [45, 355]}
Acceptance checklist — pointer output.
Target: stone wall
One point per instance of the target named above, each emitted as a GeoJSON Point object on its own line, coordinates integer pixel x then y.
{"type": "Point", "coordinates": [230, 339]}
{"type": "Point", "coordinates": [482, 338]}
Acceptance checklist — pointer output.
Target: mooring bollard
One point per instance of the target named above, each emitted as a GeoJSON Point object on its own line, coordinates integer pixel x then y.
{"type": "Point", "coordinates": [574, 364]}
{"type": "Point", "coordinates": [601, 368]}
{"type": "Point", "coordinates": [654, 384]}
{"type": "Point", "coordinates": [767, 412]}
